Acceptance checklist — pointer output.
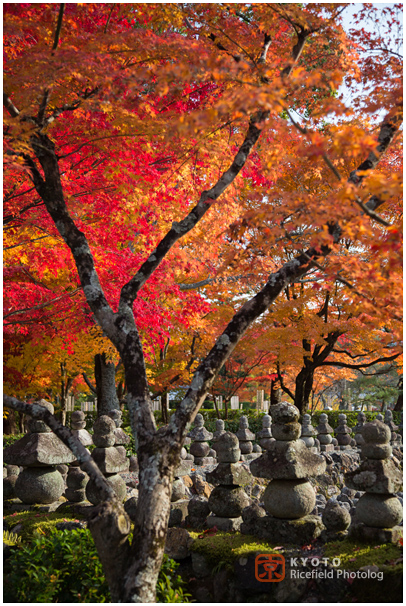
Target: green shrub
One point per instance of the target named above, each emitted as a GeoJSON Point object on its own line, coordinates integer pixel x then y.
{"type": "Point", "coordinates": [8, 440]}
{"type": "Point", "coordinates": [333, 417]}
{"type": "Point", "coordinates": [65, 567]}
{"type": "Point", "coordinates": [36, 523]}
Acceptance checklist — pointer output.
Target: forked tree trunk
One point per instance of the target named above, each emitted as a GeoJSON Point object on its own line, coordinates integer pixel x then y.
{"type": "Point", "coordinates": [304, 384]}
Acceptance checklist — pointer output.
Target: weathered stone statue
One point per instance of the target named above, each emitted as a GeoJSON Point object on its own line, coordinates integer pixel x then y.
{"type": "Point", "coordinates": [378, 511]}
{"type": "Point", "coordinates": [39, 452]}
{"type": "Point", "coordinates": [343, 434]}
{"type": "Point", "coordinates": [110, 459]}
{"type": "Point", "coordinates": [325, 434]}
{"type": "Point", "coordinates": [264, 436]}
{"type": "Point", "coordinates": [361, 419]}
{"type": "Point", "coordinates": [228, 499]}
{"type": "Point", "coordinates": [289, 497]}
{"type": "Point", "coordinates": [245, 437]}
{"type": "Point", "coordinates": [199, 447]}
{"type": "Point", "coordinates": [308, 433]}
{"type": "Point", "coordinates": [179, 502]}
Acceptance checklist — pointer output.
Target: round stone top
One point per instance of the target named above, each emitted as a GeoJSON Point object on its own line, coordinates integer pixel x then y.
{"type": "Point", "coordinates": [116, 416]}
{"type": "Point", "coordinates": [219, 425]}
{"type": "Point", "coordinates": [361, 417]}
{"type": "Point", "coordinates": [306, 419]}
{"type": "Point", "coordinates": [243, 422]}
{"type": "Point", "coordinates": [379, 417]}
{"type": "Point", "coordinates": [376, 432]}
{"type": "Point", "coordinates": [37, 426]}
{"type": "Point", "coordinates": [388, 415]}
{"type": "Point", "coordinates": [78, 415]}
{"type": "Point", "coordinates": [342, 419]}
{"type": "Point", "coordinates": [284, 413]}
{"type": "Point", "coordinates": [199, 420]}
{"type": "Point", "coordinates": [228, 440]}
{"type": "Point", "coordinates": [104, 425]}
{"type": "Point", "coordinates": [323, 418]}
{"type": "Point", "coordinates": [227, 448]}
{"type": "Point", "coordinates": [266, 421]}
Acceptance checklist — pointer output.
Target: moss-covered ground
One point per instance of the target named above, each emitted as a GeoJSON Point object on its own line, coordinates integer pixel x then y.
{"type": "Point", "coordinates": [354, 556]}
{"type": "Point", "coordinates": [227, 547]}
{"type": "Point", "coordinates": [36, 523]}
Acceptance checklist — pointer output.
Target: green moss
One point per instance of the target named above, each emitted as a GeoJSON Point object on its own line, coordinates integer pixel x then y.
{"type": "Point", "coordinates": [226, 547]}
{"type": "Point", "coordinates": [353, 555]}
{"type": "Point", "coordinates": [36, 523]}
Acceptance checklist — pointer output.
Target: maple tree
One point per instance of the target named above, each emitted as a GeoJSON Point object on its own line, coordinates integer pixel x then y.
{"type": "Point", "coordinates": [131, 157]}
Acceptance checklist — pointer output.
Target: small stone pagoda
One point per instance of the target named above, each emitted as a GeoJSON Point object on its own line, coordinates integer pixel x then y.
{"type": "Point", "coordinates": [289, 497]}
{"type": "Point", "coordinates": [343, 434]}
{"type": "Point", "coordinates": [77, 479]}
{"type": "Point", "coordinates": [78, 424]}
{"type": "Point", "coordinates": [219, 432]}
{"type": "Point", "coordinates": [110, 459]}
{"type": "Point", "coordinates": [228, 499]}
{"type": "Point", "coordinates": [245, 437]}
{"type": "Point", "coordinates": [264, 436]}
{"type": "Point", "coordinates": [199, 447]}
{"type": "Point", "coordinates": [179, 501]}
{"type": "Point", "coordinates": [39, 452]}
{"type": "Point", "coordinates": [396, 439]}
{"type": "Point", "coordinates": [361, 420]}
{"type": "Point", "coordinates": [309, 434]}
{"type": "Point", "coordinates": [325, 434]}
{"type": "Point", "coordinates": [378, 512]}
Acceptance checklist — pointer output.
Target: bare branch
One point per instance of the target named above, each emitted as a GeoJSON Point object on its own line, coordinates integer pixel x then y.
{"type": "Point", "coordinates": [42, 305]}
{"type": "Point", "coordinates": [365, 365]}
{"type": "Point", "coordinates": [58, 26]}
{"type": "Point", "coordinates": [207, 198]}
{"type": "Point", "coordinates": [9, 105]}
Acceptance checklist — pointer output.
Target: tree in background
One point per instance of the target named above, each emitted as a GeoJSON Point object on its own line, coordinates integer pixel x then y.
{"type": "Point", "coordinates": [117, 83]}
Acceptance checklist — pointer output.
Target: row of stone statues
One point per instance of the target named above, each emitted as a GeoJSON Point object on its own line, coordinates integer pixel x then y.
{"type": "Point", "coordinates": [45, 458]}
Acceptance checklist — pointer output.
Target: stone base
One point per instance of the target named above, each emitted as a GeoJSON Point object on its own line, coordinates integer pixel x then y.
{"type": "Point", "coordinates": [17, 505]}
{"type": "Point", "coordinates": [297, 532]}
{"type": "Point", "coordinates": [378, 536]}
{"type": "Point", "coordinates": [224, 524]}
{"type": "Point", "coordinates": [251, 456]}
{"type": "Point", "coordinates": [178, 512]}
{"type": "Point", "coordinates": [195, 522]}
{"type": "Point", "coordinates": [327, 447]}
{"type": "Point", "coordinates": [205, 461]}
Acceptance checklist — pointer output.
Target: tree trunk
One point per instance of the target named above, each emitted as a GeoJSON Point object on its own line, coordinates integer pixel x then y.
{"type": "Point", "coordinates": [399, 402]}
{"type": "Point", "coordinates": [9, 423]}
{"type": "Point", "coordinates": [105, 375]}
{"type": "Point", "coordinates": [304, 384]}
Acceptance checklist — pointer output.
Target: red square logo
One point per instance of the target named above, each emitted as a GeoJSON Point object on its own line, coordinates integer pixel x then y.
{"type": "Point", "coordinates": [269, 567]}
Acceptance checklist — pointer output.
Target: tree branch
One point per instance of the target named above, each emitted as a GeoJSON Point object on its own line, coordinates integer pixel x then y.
{"type": "Point", "coordinates": [207, 198]}
{"type": "Point", "coordinates": [365, 365]}
{"type": "Point", "coordinates": [42, 305]}
{"type": "Point", "coordinates": [88, 383]}
{"type": "Point", "coordinates": [58, 26]}
{"type": "Point", "coordinates": [36, 411]}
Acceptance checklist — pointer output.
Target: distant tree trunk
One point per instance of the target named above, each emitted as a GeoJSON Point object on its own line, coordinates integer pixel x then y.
{"type": "Point", "coordinates": [399, 402]}
{"type": "Point", "coordinates": [105, 375]}
{"type": "Point", "coordinates": [9, 423]}
{"type": "Point", "coordinates": [164, 409]}
{"type": "Point", "coordinates": [216, 407]}
{"type": "Point", "coordinates": [66, 384]}
{"type": "Point", "coordinates": [304, 384]}
{"type": "Point", "coordinates": [275, 393]}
